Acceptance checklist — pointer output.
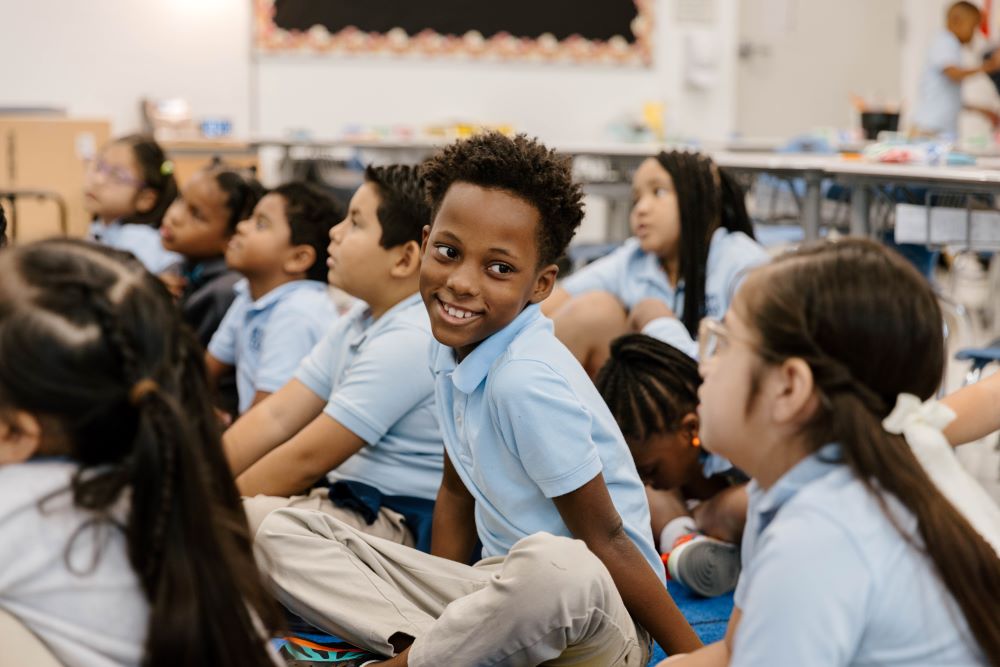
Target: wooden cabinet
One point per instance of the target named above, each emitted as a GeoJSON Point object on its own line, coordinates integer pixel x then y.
{"type": "Point", "coordinates": [47, 154]}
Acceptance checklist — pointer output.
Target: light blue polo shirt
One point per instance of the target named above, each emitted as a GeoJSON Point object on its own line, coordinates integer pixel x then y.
{"type": "Point", "coordinates": [266, 339]}
{"type": "Point", "coordinates": [523, 423]}
{"type": "Point", "coordinates": [828, 580]}
{"type": "Point", "coordinates": [939, 99]}
{"type": "Point", "coordinates": [632, 275]}
{"type": "Point", "coordinates": [142, 241]}
{"type": "Point", "coordinates": [374, 374]}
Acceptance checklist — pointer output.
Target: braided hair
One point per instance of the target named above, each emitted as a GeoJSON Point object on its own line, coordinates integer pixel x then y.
{"type": "Point", "coordinates": [649, 386]}
{"type": "Point", "coordinates": [241, 188]}
{"type": "Point", "coordinates": [91, 339]}
{"type": "Point", "coordinates": [707, 198]}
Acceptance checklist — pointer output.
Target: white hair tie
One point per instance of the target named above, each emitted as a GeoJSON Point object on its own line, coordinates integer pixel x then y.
{"type": "Point", "coordinates": [921, 425]}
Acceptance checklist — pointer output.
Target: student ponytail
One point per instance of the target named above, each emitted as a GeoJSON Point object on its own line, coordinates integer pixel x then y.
{"type": "Point", "coordinates": [869, 327]}
{"type": "Point", "coordinates": [95, 344]}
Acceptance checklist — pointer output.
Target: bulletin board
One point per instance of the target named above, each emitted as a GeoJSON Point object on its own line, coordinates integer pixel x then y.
{"type": "Point", "coordinates": [616, 32]}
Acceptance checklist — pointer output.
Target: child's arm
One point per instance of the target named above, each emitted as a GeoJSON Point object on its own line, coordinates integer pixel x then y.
{"type": "Point", "coordinates": [978, 410]}
{"type": "Point", "coordinates": [215, 369]}
{"type": "Point", "coordinates": [453, 534]}
{"type": "Point", "coordinates": [714, 655]}
{"type": "Point", "coordinates": [269, 424]}
{"type": "Point", "coordinates": [296, 465]}
{"type": "Point", "coordinates": [591, 516]}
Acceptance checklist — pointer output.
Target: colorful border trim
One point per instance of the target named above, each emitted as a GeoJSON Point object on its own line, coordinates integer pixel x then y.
{"type": "Point", "coordinates": [270, 39]}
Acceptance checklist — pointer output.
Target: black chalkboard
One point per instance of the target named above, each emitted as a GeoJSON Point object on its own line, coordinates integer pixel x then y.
{"type": "Point", "coordinates": [598, 20]}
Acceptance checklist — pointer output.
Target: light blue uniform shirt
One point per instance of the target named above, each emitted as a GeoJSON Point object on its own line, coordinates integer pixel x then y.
{"type": "Point", "coordinates": [374, 374]}
{"type": "Point", "coordinates": [632, 275]}
{"type": "Point", "coordinates": [827, 579]}
{"type": "Point", "coordinates": [266, 339]}
{"type": "Point", "coordinates": [939, 99]}
{"type": "Point", "coordinates": [522, 424]}
{"type": "Point", "coordinates": [142, 241]}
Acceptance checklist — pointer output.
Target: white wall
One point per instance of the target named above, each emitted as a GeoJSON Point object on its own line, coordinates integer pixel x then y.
{"type": "Point", "coordinates": [559, 103]}
{"type": "Point", "coordinates": [101, 56]}
{"type": "Point", "coordinates": [98, 57]}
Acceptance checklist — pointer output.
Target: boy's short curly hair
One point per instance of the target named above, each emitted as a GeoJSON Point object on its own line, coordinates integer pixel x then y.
{"type": "Point", "coordinates": [521, 166]}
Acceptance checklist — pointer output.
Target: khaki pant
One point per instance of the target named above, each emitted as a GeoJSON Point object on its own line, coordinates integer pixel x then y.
{"type": "Point", "coordinates": [388, 525]}
{"type": "Point", "coordinates": [21, 647]}
{"type": "Point", "coordinates": [549, 601]}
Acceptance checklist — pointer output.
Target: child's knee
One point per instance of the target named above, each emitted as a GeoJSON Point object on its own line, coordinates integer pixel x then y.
{"type": "Point", "coordinates": [595, 308]}
{"type": "Point", "coordinates": [556, 568]}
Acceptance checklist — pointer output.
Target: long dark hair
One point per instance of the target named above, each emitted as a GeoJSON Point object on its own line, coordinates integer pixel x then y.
{"type": "Point", "coordinates": [93, 342]}
{"type": "Point", "coordinates": [649, 386]}
{"type": "Point", "coordinates": [869, 326]}
{"type": "Point", "coordinates": [157, 175]}
{"type": "Point", "coordinates": [707, 198]}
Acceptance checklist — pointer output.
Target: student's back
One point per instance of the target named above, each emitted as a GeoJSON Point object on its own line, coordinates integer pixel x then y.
{"type": "Point", "coordinates": [116, 475]}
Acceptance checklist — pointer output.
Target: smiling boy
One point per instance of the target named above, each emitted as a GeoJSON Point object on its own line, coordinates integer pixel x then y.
{"type": "Point", "coordinates": [533, 458]}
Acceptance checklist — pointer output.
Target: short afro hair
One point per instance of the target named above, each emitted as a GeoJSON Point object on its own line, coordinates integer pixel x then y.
{"type": "Point", "coordinates": [403, 211]}
{"type": "Point", "coordinates": [521, 166]}
{"type": "Point", "coordinates": [311, 212]}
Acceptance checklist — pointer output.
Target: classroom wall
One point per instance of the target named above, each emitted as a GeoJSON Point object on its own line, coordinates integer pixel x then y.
{"type": "Point", "coordinates": [102, 55]}
{"type": "Point", "coordinates": [97, 58]}
{"type": "Point", "coordinates": [560, 103]}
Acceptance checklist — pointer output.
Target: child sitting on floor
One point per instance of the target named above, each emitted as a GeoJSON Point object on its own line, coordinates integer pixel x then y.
{"type": "Point", "coordinates": [282, 306]}
{"type": "Point", "coordinates": [863, 544]}
{"type": "Point", "coordinates": [693, 242]}
{"type": "Point", "coordinates": [354, 433]}
{"type": "Point", "coordinates": [533, 459]}
{"type": "Point", "coordinates": [127, 190]}
{"type": "Point", "coordinates": [652, 391]}
{"type": "Point", "coordinates": [122, 540]}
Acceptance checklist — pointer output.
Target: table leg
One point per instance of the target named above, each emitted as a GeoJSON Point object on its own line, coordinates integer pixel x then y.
{"type": "Point", "coordinates": [811, 204]}
{"type": "Point", "coordinates": [860, 207]}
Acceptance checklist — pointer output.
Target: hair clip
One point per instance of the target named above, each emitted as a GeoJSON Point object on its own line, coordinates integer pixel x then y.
{"type": "Point", "coordinates": [167, 168]}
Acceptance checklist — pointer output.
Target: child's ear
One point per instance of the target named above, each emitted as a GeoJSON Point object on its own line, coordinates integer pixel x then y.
{"type": "Point", "coordinates": [300, 260]}
{"type": "Point", "coordinates": [545, 282]}
{"type": "Point", "coordinates": [20, 436]}
{"type": "Point", "coordinates": [690, 425]}
{"type": "Point", "coordinates": [794, 391]}
{"type": "Point", "coordinates": [425, 234]}
{"type": "Point", "coordinates": [145, 200]}
{"type": "Point", "coordinates": [407, 261]}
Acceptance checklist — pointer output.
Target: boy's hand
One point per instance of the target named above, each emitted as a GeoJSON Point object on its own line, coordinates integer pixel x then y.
{"type": "Point", "coordinates": [645, 312]}
{"type": "Point", "coordinates": [174, 283]}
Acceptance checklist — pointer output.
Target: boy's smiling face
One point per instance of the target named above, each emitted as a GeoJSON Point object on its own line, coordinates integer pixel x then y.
{"type": "Point", "coordinates": [480, 265]}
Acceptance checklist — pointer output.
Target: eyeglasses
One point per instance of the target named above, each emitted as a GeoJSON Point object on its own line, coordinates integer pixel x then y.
{"type": "Point", "coordinates": [113, 174]}
{"type": "Point", "coordinates": [713, 335]}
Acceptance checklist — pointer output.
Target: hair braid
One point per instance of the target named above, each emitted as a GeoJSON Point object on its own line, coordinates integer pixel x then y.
{"type": "Point", "coordinates": [649, 386]}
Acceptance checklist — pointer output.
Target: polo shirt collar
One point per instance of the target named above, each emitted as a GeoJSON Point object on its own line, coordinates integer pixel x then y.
{"type": "Point", "coordinates": [473, 370]}
{"type": "Point", "coordinates": [767, 502]}
{"type": "Point", "coordinates": [368, 327]}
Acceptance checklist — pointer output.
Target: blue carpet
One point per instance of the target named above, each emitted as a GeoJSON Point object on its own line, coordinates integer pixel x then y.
{"type": "Point", "coordinates": [708, 616]}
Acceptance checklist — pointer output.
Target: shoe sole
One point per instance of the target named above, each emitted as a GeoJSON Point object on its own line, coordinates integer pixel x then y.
{"type": "Point", "coordinates": [708, 567]}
